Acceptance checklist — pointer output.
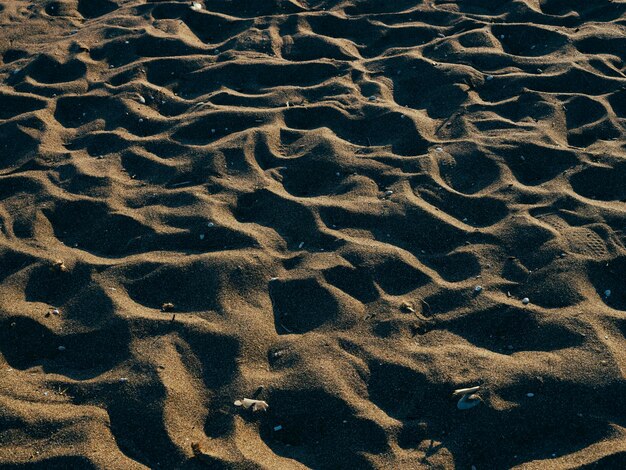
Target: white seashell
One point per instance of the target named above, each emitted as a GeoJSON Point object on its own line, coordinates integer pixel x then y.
{"type": "Point", "coordinates": [256, 405]}
{"type": "Point", "coordinates": [469, 399]}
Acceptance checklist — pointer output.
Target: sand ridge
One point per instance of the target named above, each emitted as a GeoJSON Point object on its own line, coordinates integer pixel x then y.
{"type": "Point", "coordinates": [333, 206]}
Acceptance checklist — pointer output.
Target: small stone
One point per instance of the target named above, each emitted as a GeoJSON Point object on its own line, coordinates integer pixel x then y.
{"type": "Point", "coordinates": [59, 265]}
{"type": "Point", "coordinates": [607, 293]}
{"type": "Point", "coordinates": [478, 289]}
{"type": "Point", "coordinates": [202, 236]}
{"type": "Point", "coordinates": [530, 395]}
{"type": "Point", "coordinates": [195, 6]}
{"type": "Point", "coordinates": [277, 428]}
{"type": "Point", "coordinates": [525, 300]}
{"type": "Point", "coordinates": [489, 77]}
{"type": "Point", "coordinates": [61, 348]}
{"type": "Point", "coordinates": [167, 307]}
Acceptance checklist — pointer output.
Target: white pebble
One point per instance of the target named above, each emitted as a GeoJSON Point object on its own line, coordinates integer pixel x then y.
{"type": "Point", "coordinates": [195, 6]}
{"type": "Point", "coordinates": [61, 348]}
{"type": "Point", "coordinates": [530, 395]}
{"type": "Point", "coordinates": [607, 293]}
{"type": "Point", "coordinates": [525, 300]}
{"type": "Point", "coordinates": [202, 236]}
{"type": "Point", "coordinates": [278, 428]}
{"type": "Point", "coordinates": [301, 245]}
{"type": "Point", "coordinates": [489, 77]}
{"type": "Point", "coordinates": [478, 289]}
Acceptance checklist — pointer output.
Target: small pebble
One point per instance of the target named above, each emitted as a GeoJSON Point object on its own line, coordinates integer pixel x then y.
{"type": "Point", "coordinates": [61, 348]}
{"type": "Point", "coordinates": [277, 428]}
{"type": "Point", "coordinates": [301, 245]}
{"type": "Point", "coordinates": [530, 395]}
{"type": "Point", "coordinates": [478, 289]}
{"type": "Point", "coordinates": [607, 293]}
{"type": "Point", "coordinates": [489, 77]}
{"type": "Point", "coordinates": [123, 379]}
{"type": "Point", "coordinates": [525, 300]}
{"type": "Point", "coordinates": [202, 236]}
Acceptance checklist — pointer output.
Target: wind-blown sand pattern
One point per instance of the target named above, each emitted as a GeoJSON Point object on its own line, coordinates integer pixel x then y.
{"type": "Point", "coordinates": [344, 202]}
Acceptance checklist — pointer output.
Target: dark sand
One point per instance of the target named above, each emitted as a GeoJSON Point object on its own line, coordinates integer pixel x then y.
{"type": "Point", "coordinates": [317, 188]}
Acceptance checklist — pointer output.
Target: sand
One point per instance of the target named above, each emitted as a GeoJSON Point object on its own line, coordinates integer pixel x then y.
{"type": "Point", "coordinates": [335, 207]}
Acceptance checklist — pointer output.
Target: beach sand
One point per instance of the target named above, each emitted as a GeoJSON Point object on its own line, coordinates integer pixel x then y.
{"type": "Point", "coordinates": [346, 209]}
